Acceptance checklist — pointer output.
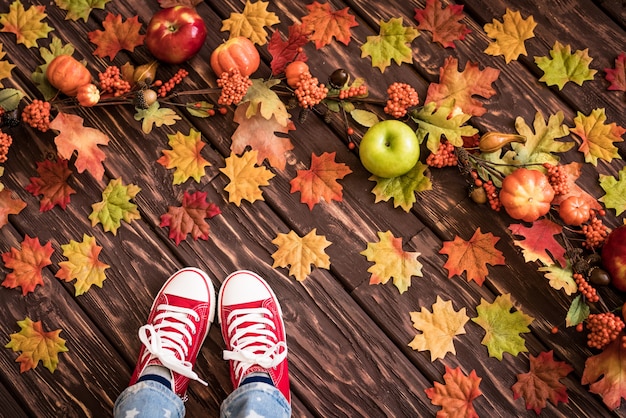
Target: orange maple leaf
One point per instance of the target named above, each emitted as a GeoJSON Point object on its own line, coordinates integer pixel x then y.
{"type": "Point", "coordinates": [320, 181]}
{"type": "Point", "coordinates": [36, 345]}
{"type": "Point", "coordinates": [461, 86]}
{"type": "Point", "coordinates": [457, 395]}
{"type": "Point", "coordinates": [9, 206]}
{"type": "Point", "coordinates": [472, 256]}
{"type": "Point", "coordinates": [324, 24]}
{"type": "Point", "coordinates": [27, 264]}
{"type": "Point", "coordinates": [117, 35]}
{"type": "Point", "coordinates": [190, 217]}
{"type": "Point", "coordinates": [442, 23]}
{"type": "Point", "coordinates": [73, 136]}
{"type": "Point", "coordinates": [606, 373]}
{"type": "Point", "coordinates": [51, 184]}
{"type": "Point", "coordinates": [539, 238]}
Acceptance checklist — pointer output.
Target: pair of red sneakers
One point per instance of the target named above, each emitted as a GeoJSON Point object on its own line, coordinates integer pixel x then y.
{"type": "Point", "coordinates": [181, 315]}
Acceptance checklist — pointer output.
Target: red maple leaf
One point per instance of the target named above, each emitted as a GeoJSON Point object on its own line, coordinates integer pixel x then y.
{"type": "Point", "coordinates": [320, 181]}
{"type": "Point", "coordinates": [461, 86]}
{"type": "Point", "coordinates": [117, 35]}
{"type": "Point", "coordinates": [51, 184]}
{"type": "Point", "coordinates": [190, 217]}
{"type": "Point", "coordinates": [325, 24]}
{"type": "Point", "coordinates": [472, 256]}
{"type": "Point", "coordinates": [539, 240]}
{"type": "Point", "coordinates": [606, 373]}
{"type": "Point", "coordinates": [542, 382]}
{"type": "Point", "coordinates": [9, 206]}
{"type": "Point", "coordinates": [27, 264]}
{"type": "Point", "coordinates": [457, 395]}
{"type": "Point", "coordinates": [284, 52]}
{"type": "Point", "coordinates": [443, 23]}
{"type": "Point", "coordinates": [617, 76]}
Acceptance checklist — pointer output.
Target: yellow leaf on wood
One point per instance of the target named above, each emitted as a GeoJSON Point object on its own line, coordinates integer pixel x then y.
{"type": "Point", "coordinates": [300, 253]}
{"type": "Point", "coordinates": [36, 345]}
{"type": "Point", "coordinates": [245, 177]}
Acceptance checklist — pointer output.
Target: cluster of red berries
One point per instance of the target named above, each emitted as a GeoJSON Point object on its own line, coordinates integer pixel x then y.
{"type": "Point", "coordinates": [443, 157]}
{"type": "Point", "coordinates": [353, 91]}
{"type": "Point", "coordinates": [557, 176]}
{"type": "Point", "coordinates": [595, 232]}
{"type": "Point", "coordinates": [111, 81]}
{"type": "Point", "coordinates": [603, 329]}
{"type": "Point", "coordinates": [37, 115]}
{"type": "Point", "coordinates": [5, 143]}
{"type": "Point", "coordinates": [492, 195]}
{"type": "Point", "coordinates": [586, 289]}
{"type": "Point", "coordinates": [234, 87]}
{"type": "Point", "coordinates": [309, 91]}
{"type": "Point", "coordinates": [166, 87]}
{"type": "Point", "coordinates": [401, 96]}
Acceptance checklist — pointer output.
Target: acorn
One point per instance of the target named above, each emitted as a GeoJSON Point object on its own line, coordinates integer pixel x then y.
{"type": "Point", "coordinates": [478, 195]}
{"type": "Point", "coordinates": [599, 276]}
{"type": "Point", "coordinates": [338, 78]}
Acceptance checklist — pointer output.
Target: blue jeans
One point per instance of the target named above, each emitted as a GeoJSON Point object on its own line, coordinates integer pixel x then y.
{"type": "Point", "coordinates": [149, 399]}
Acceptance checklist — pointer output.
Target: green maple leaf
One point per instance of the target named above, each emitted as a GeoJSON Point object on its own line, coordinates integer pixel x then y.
{"type": "Point", "coordinates": [615, 197]}
{"type": "Point", "coordinates": [55, 49]}
{"type": "Point", "coordinates": [597, 136]}
{"type": "Point", "coordinates": [80, 9]}
{"type": "Point", "coordinates": [565, 66]}
{"type": "Point", "coordinates": [392, 43]}
{"type": "Point", "coordinates": [115, 206]}
{"type": "Point", "coordinates": [155, 115]}
{"type": "Point", "coordinates": [25, 24]}
{"type": "Point", "coordinates": [434, 122]}
{"type": "Point", "coordinates": [502, 327]}
{"type": "Point", "coordinates": [264, 101]}
{"type": "Point", "coordinates": [402, 189]}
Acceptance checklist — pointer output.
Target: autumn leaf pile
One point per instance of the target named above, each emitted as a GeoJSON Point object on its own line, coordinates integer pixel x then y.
{"type": "Point", "coordinates": [260, 147]}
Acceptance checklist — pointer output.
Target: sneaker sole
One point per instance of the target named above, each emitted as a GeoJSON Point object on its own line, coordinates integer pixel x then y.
{"type": "Point", "coordinates": [219, 297]}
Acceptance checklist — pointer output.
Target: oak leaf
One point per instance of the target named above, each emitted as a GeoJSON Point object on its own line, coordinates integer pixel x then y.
{"type": "Point", "coordinates": [565, 66]}
{"type": "Point", "coordinates": [615, 191]}
{"type": "Point", "coordinates": [438, 328]}
{"type": "Point", "coordinates": [117, 35]}
{"type": "Point", "coordinates": [185, 156]}
{"type": "Point", "coordinates": [510, 35]}
{"type": "Point", "coordinates": [461, 86]}
{"type": "Point", "coordinates": [82, 264]}
{"type": "Point", "coordinates": [444, 23]}
{"type": "Point", "coordinates": [36, 345]}
{"type": "Point", "coordinates": [27, 264]}
{"type": "Point", "coordinates": [261, 99]}
{"type": "Point", "coordinates": [320, 181]}
{"type": "Point", "coordinates": [27, 25]}
{"type": "Point", "coordinates": [284, 52]}
{"type": "Point", "coordinates": [80, 9]}
{"type": "Point", "coordinates": [617, 76]}
{"type": "Point", "coordinates": [5, 67]}
{"type": "Point", "coordinates": [73, 136]}
{"type": "Point", "coordinates": [560, 278]}
{"type": "Point", "coordinates": [402, 189]}
{"type": "Point", "coordinates": [155, 115]}
{"type": "Point", "coordinates": [189, 218]}
{"type": "Point", "coordinates": [251, 22]}
{"type": "Point", "coordinates": [299, 253]}
{"type": "Point", "coordinates": [392, 43]}
{"type": "Point", "coordinates": [51, 184]}
{"type": "Point", "coordinates": [457, 395]}
{"type": "Point", "coordinates": [9, 206]}
{"type": "Point", "coordinates": [391, 262]}
{"type": "Point", "coordinates": [502, 326]}
{"type": "Point", "coordinates": [573, 171]}
{"type": "Point", "coordinates": [435, 122]}
{"type": "Point", "coordinates": [539, 240]}
{"type": "Point", "coordinates": [542, 382]}
{"type": "Point", "coordinates": [260, 134]}
{"type": "Point", "coordinates": [246, 178]}
{"type": "Point", "coordinates": [55, 48]}
{"type": "Point", "coordinates": [323, 24]}
{"type": "Point", "coordinates": [472, 256]}
{"type": "Point", "coordinates": [606, 373]}
{"type": "Point", "coordinates": [115, 206]}
{"type": "Point", "coordinates": [597, 137]}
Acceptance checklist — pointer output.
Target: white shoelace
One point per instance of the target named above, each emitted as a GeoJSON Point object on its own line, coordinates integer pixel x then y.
{"type": "Point", "coordinates": [164, 343]}
{"type": "Point", "coordinates": [256, 343]}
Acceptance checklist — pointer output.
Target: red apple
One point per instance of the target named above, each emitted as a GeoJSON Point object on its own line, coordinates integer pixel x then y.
{"type": "Point", "coordinates": [614, 257]}
{"type": "Point", "coordinates": [175, 34]}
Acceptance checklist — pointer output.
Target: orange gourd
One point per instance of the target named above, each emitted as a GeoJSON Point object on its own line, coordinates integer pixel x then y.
{"type": "Point", "coordinates": [238, 52]}
{"type": "Point", "coordinates": [574, 210]}
{"type": "Point", "coordinates": [526, 194]}
{"type": "Point", "coordinates": [293, 71]}
{"type": "Point", "coordinates": [67, 74]}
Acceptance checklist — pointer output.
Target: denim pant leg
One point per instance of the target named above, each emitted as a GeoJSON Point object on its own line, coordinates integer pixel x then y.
{"type": "Point", "coordinates": [258, 400]}
{"type": "Point", "coordinates": [148, 399]}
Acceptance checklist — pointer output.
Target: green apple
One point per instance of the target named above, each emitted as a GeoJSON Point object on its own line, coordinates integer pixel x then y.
{"type": "Point", "coordinates": [389, 149]}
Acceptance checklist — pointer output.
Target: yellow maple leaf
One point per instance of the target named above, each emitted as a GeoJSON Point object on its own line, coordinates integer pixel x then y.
{"type": "Point", "coordinates": [598, 137]}
{"type": "Point", "coordinates": [300, 253]}
{"type": "Point", "coordinates": [251, 22]}
{"type": "Point", "coordinates": [391, 261]}
{"type": "Point", "coordinates": [185, 156]}
{"type": "Point", "coordinates": [438, 328]}
{"type": "Point", "coordinates": [5, 66]}
{"type": "Point", "coordinates": [510, 35]}
{"type": "Point", "coordinates": [25, 24]}
{"type": "Point", "coordinates": [82, 265]}
{"type": "Point", "coordinates": [245, 177]}
{"type": "Point", "coordinates": [36, 345]}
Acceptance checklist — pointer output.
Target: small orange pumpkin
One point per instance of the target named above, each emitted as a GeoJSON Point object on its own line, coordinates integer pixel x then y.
{"type": "Point", "coordinates": [574, 210]}
{"type": "Point", "coordinates": [88, 95]}
{"type": "Point", "coordinates": [67, 74]}
{"type": "Point", "coordinates": [238, 52]}
{"type": "Point", "coordinates": [526, 194]}
{"type": "Point", "coordinates": [293, 71]}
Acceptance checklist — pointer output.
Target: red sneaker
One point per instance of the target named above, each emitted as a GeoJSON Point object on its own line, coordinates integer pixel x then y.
{"type": "Point", "coordinates": [253, 330]}
{"type": "Point", "coordinates": [178, 323]}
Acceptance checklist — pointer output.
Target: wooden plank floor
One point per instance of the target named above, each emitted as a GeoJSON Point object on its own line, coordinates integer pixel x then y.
{"type": "Point", "coordinates": [348, 340]}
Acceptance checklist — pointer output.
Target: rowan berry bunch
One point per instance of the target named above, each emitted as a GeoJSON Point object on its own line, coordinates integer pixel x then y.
{"type": "Point", "coordinates": [595, 232]}
{"type": "Point", "coordinates": [165, 88]}
{"type": "Point", "coordinates": [603, 328]}
{"type": "Point", "coordinates": [5, 143]}
{"type": "Point", "coordinates": [492, 195]}
{"type": "Point", "coordinates": [234, 87]}
{"type": "Point", "coordinates": [111, 82]}
{"type": "Point", "coordinates": [353, 91]}
{"type": "Point", "coordinates": [401, 96]}
{"type": "Point", "coordinates": [37, 115]}
{"type": "Point", "coordinates": [445, 156]}
{"type": "Point", "coordinates": [586, 289]}
{"type": "Point", "coordinates": [309, 91]}
{"type": "Point", "coordinates": [557, 176]}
